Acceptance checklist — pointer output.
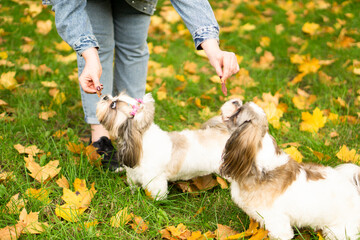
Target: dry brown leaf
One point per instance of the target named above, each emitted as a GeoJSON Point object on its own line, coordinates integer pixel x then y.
{"type": "Point", "coordinates": [66, 59]}
{"type": "Point", "coordinates": [75, 148]}
{"type": "Point", "coordinates": [139, 225]}
{"type": "Point", "coordinates": [43, 27]}
{"type": "Point", "coordinates": [6, 176]}
{"type": "Point", "coordinates": [31, 150]}
{"type": "Point", "coordinates": [45, 173]}
{"type": "Point", "coordinates": [11, 232]}
{"type": "Point", "coordinates": [93, 157]}
{"type": "Point", "coordinates": [31, 222]}
{"type": "Point", "coordinates": [46, 115]}
{"type": "Point", "coordinates": [222, 182]}
{"type": "Point", "coordinates": [63, 182]}
{"type": "Point", "coordinates": [43, 69]}
{"type": "Point", "coordinates": [204, 182]}
{"type": "Point", "coordinates": [15, 204]}
{"type": "Point", "coordinates": [223, 232]}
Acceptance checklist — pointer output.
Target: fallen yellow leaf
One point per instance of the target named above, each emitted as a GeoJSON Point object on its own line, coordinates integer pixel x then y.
{"type": "Point", "coordinates": [312, 122]}
{"type": "Point", "coordinates": [8, 81]}
{"type": "Point", "coordinates": [15, 204]}
{"type": "Point", "coordinates": [45, 173]}
{"type": "Point", "coordinates": [294, 153]}
{"type": "Point", "coordinates": [121, 218]}
{"type": "Point", "coordinates": [347, 155]}
{"type": "Point", "coordinates": [31, 222]}
{"type": "Point", "coordinates": [43, 27]}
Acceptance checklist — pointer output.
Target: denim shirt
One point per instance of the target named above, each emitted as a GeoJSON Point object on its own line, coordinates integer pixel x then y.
{"type": "Point", "coordinates": [73, 24]}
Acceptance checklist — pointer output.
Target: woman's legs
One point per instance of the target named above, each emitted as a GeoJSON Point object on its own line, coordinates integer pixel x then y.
{"type": "Point", "coordinates": [131, 51]}
{"type": "Point", "coordinates": [100, 15]}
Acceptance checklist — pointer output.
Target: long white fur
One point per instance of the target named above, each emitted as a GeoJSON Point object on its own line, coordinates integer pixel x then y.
{"type": "Point", "coordinates": [331, 204]}
{"type": "Point", "coordinates": [156, 166]}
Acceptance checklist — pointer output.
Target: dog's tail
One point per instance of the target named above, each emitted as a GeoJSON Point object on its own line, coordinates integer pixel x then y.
{"type": "Point", "coordinates": [350, 171]}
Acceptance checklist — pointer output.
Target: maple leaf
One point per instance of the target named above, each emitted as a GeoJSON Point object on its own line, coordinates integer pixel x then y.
{"type": "Point", "coordinates": [121, 218]}
{"type": "Point", "coordinates": [8, 81]}
{"type": "Point", "coordinates": [247, 27]}
{"type": "Point", "coordinates": [44, 173]}
{"type": "Point", "coordinates": [92, 155]}
{"type": "Point", "coordinates": [204, 182]}
{"type": "Point", "coordinates": [347, 155]}
{"type": "Point", "coordinates": [43, 69]}
{"type": "Point", "coordinates": [273, 114]}
{"type": "Point", "coordinates": [180, 231]}
{"type": "Point", "coordinates": [170, 15]}
{"type": "Point", "coordinates": [62, 46]}
{"type": "Point", "coordinates": [310, 28]}
{"type": "Point", "coordinates": [224, 232]}
{"type": "Point", "coordinates": [62, 182]}
{"type": "Point", "coordinates": [11, 232]}
{"type": "Point", "coordinates": [66, 59]}
{"type": "Point", "coordinates": [265, 61]}
{"type": "Point", "coordinates": [43, 27]}
{"type": "Point", "coordinates": [243, 79]}
{"type": "Point", "coordinates": [162, 92]}
{"type": "Point", "coordinates": [309, 66]}
{"type": "Point", "coordinates": [303, 100]}
{"type": "Point", "coordinates": [46, 115]}
{"type": "Point", "coordinates": [139, 225]}
{"type": "Point", "coordinates": [31, 150]}
{"type": "Point", "coordinates": [41, 194]}
{"type": "Point", "coordinates": [6, 176]}
{"type": "Point", "coordinates": [75, 148]}
{"type": "Point", "coordinates": [31, 222]}
{"type": "Point", "coordinates": [15, 204]}
{"type": "Point", "coordinates": [190, 67]}
{"type": "Point", "coordinates": [222, 182]}
{"type": "Point", "coordinates": [312, 122]}
{"type": "Point", "coordinates": [69, 212]}
{"type": "Point", "coordinates": [294, 153]}
{"type": "Point", "coordinates": [75, 202]}
{"type": "Point", "coordinates": [265, 41]}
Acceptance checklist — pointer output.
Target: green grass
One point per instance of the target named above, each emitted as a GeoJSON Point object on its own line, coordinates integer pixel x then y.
{"type": "Point", "coordinates": [113, 194]}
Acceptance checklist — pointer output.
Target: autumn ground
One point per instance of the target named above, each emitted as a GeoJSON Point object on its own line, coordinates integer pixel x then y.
{"type": "Point", "coordinates": [299, 61]}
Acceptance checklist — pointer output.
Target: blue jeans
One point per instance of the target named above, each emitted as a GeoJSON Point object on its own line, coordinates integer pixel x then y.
{"type": "Point", "coordinates": [120, 30]}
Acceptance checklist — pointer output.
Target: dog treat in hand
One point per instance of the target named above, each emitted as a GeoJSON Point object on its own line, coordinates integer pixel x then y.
{"type": "Point", "coordinates": [223, 87]}
{"type": "Point", "coordinates": [98, 91]}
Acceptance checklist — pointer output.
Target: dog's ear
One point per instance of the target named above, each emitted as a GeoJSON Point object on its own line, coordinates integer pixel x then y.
{"type": "Point", "coordinates": [129, 144]}
{"type": "Point", "coordinates": [240, 151]}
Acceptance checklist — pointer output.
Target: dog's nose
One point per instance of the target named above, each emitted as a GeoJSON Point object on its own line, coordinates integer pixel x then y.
{"type": "Point", "coordinates": [105, 97]}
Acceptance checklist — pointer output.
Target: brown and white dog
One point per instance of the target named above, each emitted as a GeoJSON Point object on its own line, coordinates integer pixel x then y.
{"type": "Point", "coordinates": [279, 192]}
{"type": "Point", "coordinates": [151, 156]}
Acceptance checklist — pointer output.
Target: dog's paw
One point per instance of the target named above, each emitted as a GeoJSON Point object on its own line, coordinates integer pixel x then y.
{"type": "Point", "coordinates": [148, 98]}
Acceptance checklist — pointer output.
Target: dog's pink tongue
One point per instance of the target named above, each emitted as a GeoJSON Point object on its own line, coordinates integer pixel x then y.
{"type": "Point", "coordinates": [223, 87]}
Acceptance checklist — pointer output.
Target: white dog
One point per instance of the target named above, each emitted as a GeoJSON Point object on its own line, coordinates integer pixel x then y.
{"type": "Point", "coordinates": [151, 156]}
{"type": "Point", "coordinates": [279, 192]}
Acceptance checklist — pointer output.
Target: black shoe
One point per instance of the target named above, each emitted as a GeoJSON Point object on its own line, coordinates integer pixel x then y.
{"type": "Point", "coordinates": [109, 158]}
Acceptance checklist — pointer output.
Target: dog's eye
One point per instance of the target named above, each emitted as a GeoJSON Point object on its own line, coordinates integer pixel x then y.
{"type": "Point", "coordinates": [113, 105]}
{"type": "Point", "coordinates": [105, 98]}
{"type": "Point", "coordinates": [236, 103]}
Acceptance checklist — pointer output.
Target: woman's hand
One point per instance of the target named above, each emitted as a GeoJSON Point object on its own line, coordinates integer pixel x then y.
{"type": "Point", "coordinates": [225, 63]}
{"type": "Point", "coordinates": [90, 76]}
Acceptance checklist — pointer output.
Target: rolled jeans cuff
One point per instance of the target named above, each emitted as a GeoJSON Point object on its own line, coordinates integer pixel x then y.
{"type": "Point", "coordinates": [85, 42]}
{"type": "Point", "coordinates": [205, 33]}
